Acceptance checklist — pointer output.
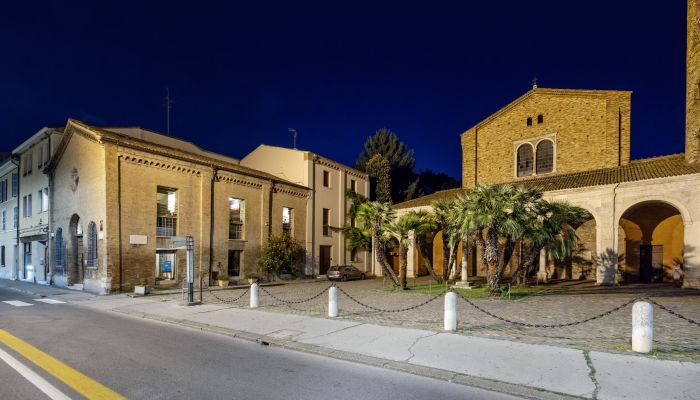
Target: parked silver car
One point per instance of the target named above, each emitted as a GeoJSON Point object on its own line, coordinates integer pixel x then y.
{"type": "Point", "coordinates": [344, 273]}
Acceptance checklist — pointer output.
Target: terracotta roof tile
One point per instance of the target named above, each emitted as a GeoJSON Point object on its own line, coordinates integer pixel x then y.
{"type": "Point", "coordinates": [636, 170]}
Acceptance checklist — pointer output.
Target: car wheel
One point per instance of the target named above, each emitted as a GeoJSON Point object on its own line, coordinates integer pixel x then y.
{"type": "Point", "coordinates": [343, 278]}
{"type": "Point", "coordinates": [362, 276]}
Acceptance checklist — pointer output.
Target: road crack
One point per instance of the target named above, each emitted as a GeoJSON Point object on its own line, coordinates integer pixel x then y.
{"type": "Point", "coordinates": [591, 374]}
{"type": "Point", "coordinates": [410, 348]}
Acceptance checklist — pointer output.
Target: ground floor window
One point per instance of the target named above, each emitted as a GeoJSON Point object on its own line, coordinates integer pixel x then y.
{"type": "Point", "coordinates": [165, 265]}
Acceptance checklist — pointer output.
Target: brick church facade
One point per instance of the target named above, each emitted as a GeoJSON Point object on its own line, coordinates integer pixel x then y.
{"type": "Point", "coordinates": [575, 146]}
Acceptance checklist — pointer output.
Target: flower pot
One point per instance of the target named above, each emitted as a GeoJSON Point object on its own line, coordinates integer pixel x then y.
{"type": "Point", "coordinates": [223, 283]}
{"type": "Point", "coordinates": [141, 289]}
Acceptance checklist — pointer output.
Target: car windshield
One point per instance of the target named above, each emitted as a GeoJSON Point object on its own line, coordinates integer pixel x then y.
{"type": "Point", "coordinates": [336, 268]}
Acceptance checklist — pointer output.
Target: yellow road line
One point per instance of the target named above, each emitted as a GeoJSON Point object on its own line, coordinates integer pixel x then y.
{"type": "Point", "coordinates": [79, 382]}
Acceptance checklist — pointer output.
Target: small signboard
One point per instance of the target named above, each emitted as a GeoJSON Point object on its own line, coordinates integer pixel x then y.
{"type": "Point", "coordinates": [178, 241]}
{"type": "Point", "coordinates": [166, 266]}
{"type": "Point", "coordinates": [138, 239]}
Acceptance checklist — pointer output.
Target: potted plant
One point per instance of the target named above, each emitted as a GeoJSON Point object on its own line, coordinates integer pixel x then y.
{"type": "Point", "coordinates": [252, 277]}
{"type": "Point", "coordinates": [223, 280]}
{"type": "Point", "coordinates": [142, 288]}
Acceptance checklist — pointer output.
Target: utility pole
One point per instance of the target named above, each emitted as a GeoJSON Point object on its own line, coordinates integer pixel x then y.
{"type": "Point", "coordinates": [168, 103]}
{"type": "Point", "coordinates": [294, 133]}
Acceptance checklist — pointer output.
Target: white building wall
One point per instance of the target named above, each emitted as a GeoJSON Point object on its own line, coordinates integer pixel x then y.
{"type": "Point", "coordinates": [8, 231]}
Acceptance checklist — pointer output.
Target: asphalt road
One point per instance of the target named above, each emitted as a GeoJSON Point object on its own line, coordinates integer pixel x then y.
{"type": "Point", "coordinates": [143, 359]}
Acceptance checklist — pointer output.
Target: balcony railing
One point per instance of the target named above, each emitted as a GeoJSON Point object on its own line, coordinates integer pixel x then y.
{"type": "Point", "coordinates": [166, 226]}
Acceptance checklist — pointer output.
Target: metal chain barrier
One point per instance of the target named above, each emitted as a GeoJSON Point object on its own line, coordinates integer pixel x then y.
{"type": "Point", "coordinates": [601, 315]}
{"type": "Point", "coordinates": [228, 300]}
{"type": "Point", "coordinates": [674, 313]}
{"type": "Point", "coordinates": [262, 288]}
{"type": "Point", "coordinates": [388, 311]}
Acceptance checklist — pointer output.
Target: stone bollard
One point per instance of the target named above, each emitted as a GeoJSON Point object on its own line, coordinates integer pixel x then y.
{"type": "Point", "coordinates": [451, 311]}
{"type": "Point", "coordinates": [642, 327]}
{"type": "Point", "coordinates": [254, 295]}
{"type": "Point", "coordinates": [333, 302]}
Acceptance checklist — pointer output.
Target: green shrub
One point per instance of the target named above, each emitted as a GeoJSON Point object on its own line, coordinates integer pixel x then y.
{"type": "Point", "coordinates": [223, 277]}
{"type": "Point", "coordinates": [281, 254]}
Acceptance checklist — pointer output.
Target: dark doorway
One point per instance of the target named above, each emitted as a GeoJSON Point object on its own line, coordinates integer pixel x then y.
{"type": "Point", "coordinates": [651, 262]}
{"type": "Point", "coordinates": [234, 263]}
{"type": "Point", "coordinates": [324, 259]}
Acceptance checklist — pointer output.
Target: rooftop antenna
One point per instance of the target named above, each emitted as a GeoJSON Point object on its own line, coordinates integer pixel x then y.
{"type": "Point", "coordinates": [534, 83]}
{"type": "Point", "coordinates": [168, 103]}
{"type": "Point", "coordinates": [294, 132]}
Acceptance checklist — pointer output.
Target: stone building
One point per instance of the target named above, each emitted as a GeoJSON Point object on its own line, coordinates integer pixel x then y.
{"type": "Point", "coordinates": [329, 181]}
{"type": "Point", "coordinates": [121, 194]}
{"type": "Point", "coordinates": [9, 216]}
{"type": "Point", "coordinates": [575, 146]}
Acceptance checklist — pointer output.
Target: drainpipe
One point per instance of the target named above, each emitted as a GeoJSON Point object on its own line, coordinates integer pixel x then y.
{"type": "Point", "coordinates": [313, 214]}
{"type": "Point", "coordinates": [614, 229]}
{"type": "Point", "coordinates": [119, 220]}
{"type": "Point", "coordinates": [47, 262]}
{"type": "Point", "coordinates": [15, 268]}
{"type": "Point", "coordinates": [269, 210]}
{"type": "Point", "coordinates": [211, 221]}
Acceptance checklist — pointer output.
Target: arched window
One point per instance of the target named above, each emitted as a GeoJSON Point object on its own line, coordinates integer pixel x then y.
{"type": "Point", "coordinates": [540, 119]}
{"type": "Point", "coordinates": [92, 245]}
{"type": "Point", "coordinates": [59, 250]}
{"type": "Point", "coordinates": [524, 162]}
{"type": "Point", "coordinates": [545, 157]}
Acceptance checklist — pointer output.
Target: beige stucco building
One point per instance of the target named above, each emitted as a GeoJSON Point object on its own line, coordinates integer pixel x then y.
{"type": "Point", "coordinates": [575, 146]}
{"type": "Point", "coordinates": [33, 202]}
{"type": "Point", "coordinates": [119, 196]}
{"type": "Point", "coordinates": [328, 181]}
{"type": "Point", "coordinates": [9, 213]}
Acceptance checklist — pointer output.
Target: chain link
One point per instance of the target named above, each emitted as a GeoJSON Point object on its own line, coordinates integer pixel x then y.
{"type": "Point", "coordinates": [674, 313]}
{"type": "Point", "coordinates": [601, 315]}
{"type": "Point", "coordinates": [387, 311]}
{"type": "Point", "coordinates": [211, 292]}
{"type": "Point", "coordinates": [295, 301]}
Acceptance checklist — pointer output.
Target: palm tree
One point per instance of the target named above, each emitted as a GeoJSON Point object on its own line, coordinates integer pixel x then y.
{"type": "Point", "coordinates": [490, 213]}
{"type": "Point", "coordinates": [427, 226]}
{"type": "Point", "coordinates": [400, 230]}
{"type": "Point", "coordinates": [552, 225]}
{"type": "Point", "coordinates": [447, 217]}
{"type": "Point", "coordinates": [358, 233]}
{"type": "Point", "coordinates": [378, 215]}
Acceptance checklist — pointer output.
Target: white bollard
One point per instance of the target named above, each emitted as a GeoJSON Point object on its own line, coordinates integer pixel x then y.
{"type": "Point", "coordinates": [254, 295]}
{"type": "Point", "coordinates": [642, 327]}
{"type": "Point", "coordinates": [451, 311]}
{"type": "Point", "coordinates": [333, 302]}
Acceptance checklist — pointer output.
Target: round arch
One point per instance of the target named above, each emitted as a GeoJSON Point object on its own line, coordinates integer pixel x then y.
{"type": "Point", "coordinates": [651, 239]}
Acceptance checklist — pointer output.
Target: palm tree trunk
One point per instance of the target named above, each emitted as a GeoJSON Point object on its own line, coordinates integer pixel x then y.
{"type": "Point", "coordinates": [378, 248]}
{"type": "Point", "coordinates": [526, 264]}
{"type": "Point", "coordinates": [423, 249]}
{"type": "Point", "coordinates": [445, 256]}
{"type": "Point", "coordinates": [481, 245]}
{"type": "Point", "coordinates": [453, 258]}
{"type": "Point", "coordinates": [492, 261]}
{"type": "Point", "coordinates": [403, 265]}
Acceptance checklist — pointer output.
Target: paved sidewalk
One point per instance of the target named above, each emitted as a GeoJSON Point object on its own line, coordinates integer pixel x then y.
{"type": "Point", "coordinates": [523, 369]}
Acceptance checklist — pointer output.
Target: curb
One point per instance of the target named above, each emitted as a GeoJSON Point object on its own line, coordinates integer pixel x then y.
{"type": "Point", "coordinates": [429, 372]}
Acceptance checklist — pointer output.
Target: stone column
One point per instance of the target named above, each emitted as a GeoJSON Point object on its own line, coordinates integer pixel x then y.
{"type": "Point", "coordinates": [542, 271]}
{"type": "Point", "coordinates": [410, 257]}
{"type": "Point", "coordinates": [691, 258]}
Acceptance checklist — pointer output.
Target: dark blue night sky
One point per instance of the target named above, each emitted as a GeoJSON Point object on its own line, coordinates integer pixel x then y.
{"type": "Point", "coordinates": [243, 73]}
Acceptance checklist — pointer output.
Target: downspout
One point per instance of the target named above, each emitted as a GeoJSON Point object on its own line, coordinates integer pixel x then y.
{"type": "Point", "coordinates": [313, 214]}
{"type": "Point", "coordinates": [119, 220]}
{"type": "Point", "coordinates": [619, 137]}
{"type": "Point", "coordinates": [614, 231]}
{"type": "Point", "coordinates": [49, 253]}
{"type": "Point", "coordinates": [269, 210]}
{"type": "Point", "coordinates": [211, 222]}
{"type": "Point", "coordinates": [476, 155]}
{"type": "Point", "coordinates": [15, 268]}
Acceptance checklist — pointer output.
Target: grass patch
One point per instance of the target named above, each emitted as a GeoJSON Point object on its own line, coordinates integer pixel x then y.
{"type": "Point", "coordinates": [475, 293]}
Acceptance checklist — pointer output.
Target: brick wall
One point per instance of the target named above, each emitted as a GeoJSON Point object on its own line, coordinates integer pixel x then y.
{"type": "Point", "coordinates": [692, 123]}
{"type": "Point", "coordinates": [590, 129]}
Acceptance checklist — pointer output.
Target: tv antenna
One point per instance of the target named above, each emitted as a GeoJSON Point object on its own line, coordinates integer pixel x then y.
{"type": "Point", "coordinates": [294, 133]}
{"type": "Point", "coordinates": [168, 104]}
{"type": "Point", "coordinates": [534, 83]}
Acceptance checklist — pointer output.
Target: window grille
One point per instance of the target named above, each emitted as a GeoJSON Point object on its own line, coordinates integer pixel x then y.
{"type": "Point", "coordinates": [545, 157]}
{"type": "Point", "coordinates": [59, 250]}
{"type": "Point", "coordinates": [525, 161]}
{"type": "Point", "coordinates": [235, 219]}
{"type": "Point", "coordinates": [92, 245]}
